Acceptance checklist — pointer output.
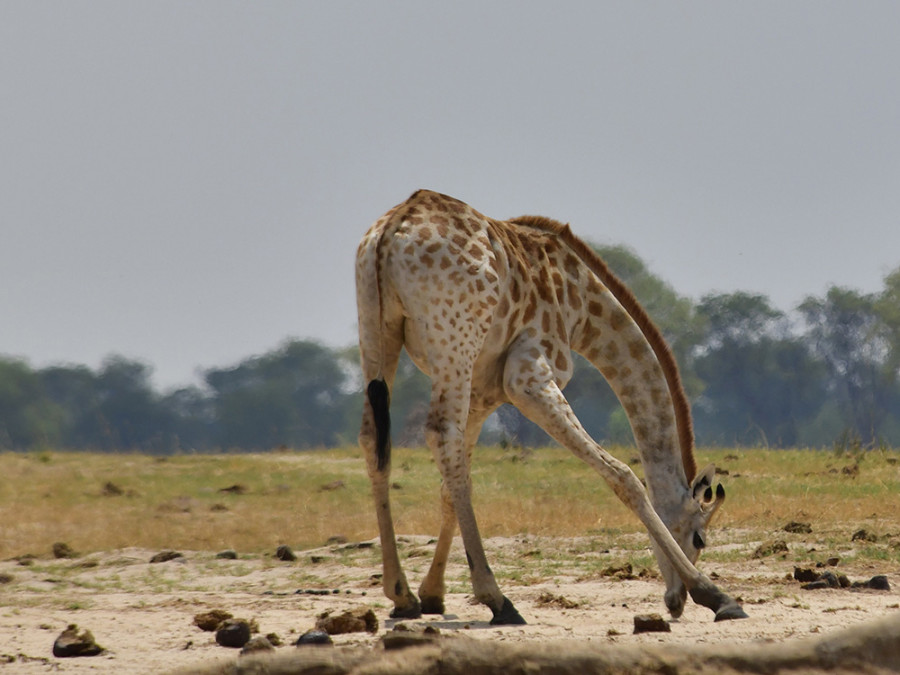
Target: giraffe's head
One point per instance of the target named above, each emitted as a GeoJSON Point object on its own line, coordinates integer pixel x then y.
{"type": "Point", "coordinates": [688, 527]}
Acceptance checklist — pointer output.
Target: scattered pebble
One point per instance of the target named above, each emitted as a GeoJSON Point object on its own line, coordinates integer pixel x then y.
{"type": "Point", "coordinates": [63, 550]}
{"type": "Point", "coordinates": [770, 548]}
{"type": "Point", "coordinates": [351, 621]}
{"type": "Point", "coordinates": [620, 572]}
{"type": "Point", "coordinates": [333, 485]}
{"type": "Point", "coordinates": [110, 489]}
{"type": "Point", "coordinates": [812, 580]}
{"type": "Point", "coordinates": [285, 553]}
{"type": "Point", "coordinates": [650, 623]}
{"type": "Point", "coordinates": [877, 583]}
{"type": "Point", "coordinates": [233, 633]}
{"type": "Point", "coordinates": [314, 637]}
{"type": "Point", "coordinates": [402, 637]}
{"type": "Point", "coordinates": [863, 535]}
{"type": "Point", "coordinates": [256, 645]}
{"type": "Point", "coordinates": [166, 556]}
{"type": "Point", "coordinates": [72, 643]}
{"type": "Point", "coordinates": [210, 621]}
{"type": "Point", "coordinates": [546, 599]}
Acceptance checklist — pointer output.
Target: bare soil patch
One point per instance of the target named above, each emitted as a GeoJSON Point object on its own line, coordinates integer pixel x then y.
{"type": "Point", "coordinates": [581, 597]}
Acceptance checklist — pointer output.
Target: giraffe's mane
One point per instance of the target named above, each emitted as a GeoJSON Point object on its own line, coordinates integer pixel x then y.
{"type": "Point", "coordinates": [650, 330]}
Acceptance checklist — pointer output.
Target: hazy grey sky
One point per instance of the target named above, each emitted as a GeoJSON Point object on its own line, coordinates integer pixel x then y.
{"type": "Point", "coordinates": [186, 183]}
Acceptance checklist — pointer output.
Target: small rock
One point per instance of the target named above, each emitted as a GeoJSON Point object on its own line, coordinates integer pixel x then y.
{"type": "Point", "coordinates": [72, 643]}
{"type": "Point", "coordinates": [165, 556]}
{"type": "Point", "coordinates": [851, 470]}
{"type": "Point", "coordinates": [550, 599]}
{"type": "Point", "coordinates": [256, 645]}
{"type": "Point", "coordinates": [209, 621]}
{"type": "Point", "coordinates": [770, 548]}
{"type": "Point", "coordinates": [621, 572]}
{"type": "Point", "coordinates": [285, 553]}
{"type": "Point", "coordinates": [877, 583]}
{"type": "Point", "coordinates": [351, 621]}
{"type": "Point", "coordinates": [832, 579]}
{"type": "Point", "coordinates": [236, 489]}
{"type": "Point", "coordinates": [6, 578]}
{"type": "Point", "coordinates": [650, 623]}
{"type": "Point", "coordinates": [233, 633]}
{"type": "Point", "coordinates": [314, 637]}
{"type": "Point", "coordinates": [110, 489]}
{"type": "Point", "coordinates": [63, 550]}
{"type": "Point", "coordinates": [805, 575]}
{"type": "Point", "coordinates": [227, 555]}
{"type": "Point", "coordinates": [358, 545]}
{"type": "Point", "coordinates": [863, 535]}
{"type": "Point", "coordinates": [401, 639]}
{"type": "Point", "coordinates": [827, 580]}
{"type": "Point", "coordinates": [795, 527]}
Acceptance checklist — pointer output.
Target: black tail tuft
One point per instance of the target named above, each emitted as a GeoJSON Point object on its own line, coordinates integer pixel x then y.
{"type": "Point", "coordinates": [379, 399]}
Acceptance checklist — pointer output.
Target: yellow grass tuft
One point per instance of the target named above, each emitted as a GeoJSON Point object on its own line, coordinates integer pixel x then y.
{"type": "Point", "coordinates": [98, 502]}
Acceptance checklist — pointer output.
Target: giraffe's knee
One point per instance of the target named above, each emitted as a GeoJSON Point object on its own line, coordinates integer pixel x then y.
{"type": "Point", "coordinates": [440, 432]}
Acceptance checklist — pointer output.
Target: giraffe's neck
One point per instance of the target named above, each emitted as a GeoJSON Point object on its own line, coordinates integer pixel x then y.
{"type": "Point", "coordinates": [608, 326]}
{"type": "Point", "coordinates": [614, 343]}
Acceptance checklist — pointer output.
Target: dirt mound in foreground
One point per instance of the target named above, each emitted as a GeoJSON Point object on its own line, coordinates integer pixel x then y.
{"type": "Point", "coordinates": [872, 647]}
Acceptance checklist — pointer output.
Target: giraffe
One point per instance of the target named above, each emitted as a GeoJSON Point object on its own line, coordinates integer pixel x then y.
{"type": "Point", "coordinates": [491, 311]}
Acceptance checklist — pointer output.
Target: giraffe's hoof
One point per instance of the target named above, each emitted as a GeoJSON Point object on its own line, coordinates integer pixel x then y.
{"type": "Point", "coordinates": [432, 605]}
{"type": "Point", "coordinates": [414, 611]}
{"type": "Point", "coordinates": [507, 616]}
{"type": "Point", "coordinates": [730, 611]}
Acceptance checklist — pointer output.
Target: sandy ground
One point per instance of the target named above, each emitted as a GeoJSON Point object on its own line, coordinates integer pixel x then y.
{"type": "Point", "coordinates": [142, 613]}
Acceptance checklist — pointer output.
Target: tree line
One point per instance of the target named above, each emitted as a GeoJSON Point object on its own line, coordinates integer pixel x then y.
{"type": "Point", "coordinates": [826, 373]}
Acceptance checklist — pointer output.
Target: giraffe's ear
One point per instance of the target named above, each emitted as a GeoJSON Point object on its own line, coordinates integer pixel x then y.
{"type": "Point", "coordinates": [702, 490]}
{"type": "Point", "coordinates": [703, 481]}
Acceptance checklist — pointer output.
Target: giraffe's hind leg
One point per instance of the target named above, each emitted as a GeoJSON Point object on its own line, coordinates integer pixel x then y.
{"type": "Point", "coordinates": [446, 438]}
{"type": "Point", "coordinates": [374, 440]}
{"type": "Point", "coordinates": [433, 588]}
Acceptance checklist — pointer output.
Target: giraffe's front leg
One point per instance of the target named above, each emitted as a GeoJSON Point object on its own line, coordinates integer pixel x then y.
{"type": "Point", "coordinates": [532, 389]}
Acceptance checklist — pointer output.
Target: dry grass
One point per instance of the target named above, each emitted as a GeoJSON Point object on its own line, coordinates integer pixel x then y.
{"type": "Point", "coordinates": [302, 499]}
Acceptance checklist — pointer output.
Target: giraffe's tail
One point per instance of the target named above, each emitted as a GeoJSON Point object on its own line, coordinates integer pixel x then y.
{"type": "Point", "coordinates": [379, 399]}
